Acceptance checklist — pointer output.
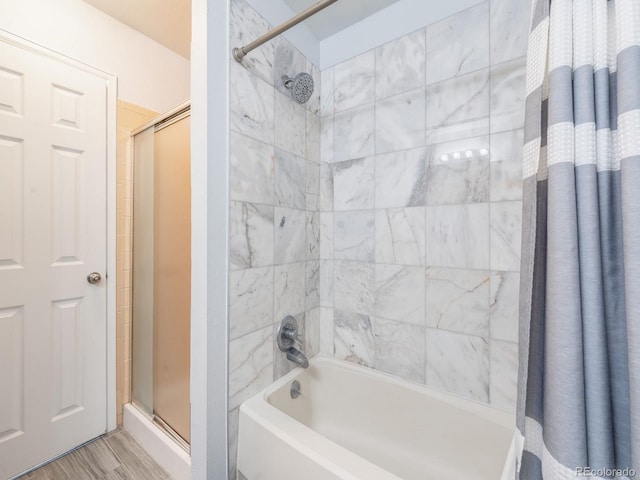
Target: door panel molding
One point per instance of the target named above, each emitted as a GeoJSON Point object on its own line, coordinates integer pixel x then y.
{"type": "Point", "coordinates": [11, 353]}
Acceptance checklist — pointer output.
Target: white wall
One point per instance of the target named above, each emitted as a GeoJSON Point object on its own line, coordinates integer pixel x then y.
{"type": "Point", "coordinates": [393, 22]}
{"type": "Point", "coordinates": [149, 74]}
{"type": "Point", "coordinates": [210, 55]}
{"type": "Point", "coordinates": [398, 19]}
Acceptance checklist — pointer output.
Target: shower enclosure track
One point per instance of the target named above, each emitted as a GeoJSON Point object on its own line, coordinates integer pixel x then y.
{"type": "Point", "coordinates": [240, 53]}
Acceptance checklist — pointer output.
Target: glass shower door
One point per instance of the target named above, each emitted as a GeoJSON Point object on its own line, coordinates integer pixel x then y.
{"type": "Point", "coordinates": [162, 274]}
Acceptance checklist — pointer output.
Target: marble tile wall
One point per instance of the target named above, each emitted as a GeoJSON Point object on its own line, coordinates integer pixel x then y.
{"type": "Point", "coordinates": [274, 183]}
{"type": "Point", "coordinates": [419, 202]}
{"type": "Point", "coordinates": [384, 214]}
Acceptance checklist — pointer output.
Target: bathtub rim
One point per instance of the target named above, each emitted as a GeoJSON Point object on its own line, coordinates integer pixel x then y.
{"type": "Point", "coordinates": [290, 430]}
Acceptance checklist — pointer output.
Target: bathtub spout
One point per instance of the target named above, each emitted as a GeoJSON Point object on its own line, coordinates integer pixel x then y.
{"type": "Point", "coordinates": [296, 356]}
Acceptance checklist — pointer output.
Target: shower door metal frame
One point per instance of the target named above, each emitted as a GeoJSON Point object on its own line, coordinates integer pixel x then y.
{"type": "Point", "coordinates": [166, 119]}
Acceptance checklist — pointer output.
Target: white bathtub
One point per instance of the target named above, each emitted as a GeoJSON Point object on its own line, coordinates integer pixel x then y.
{"type": "Point", "coordinates": [354, 423]}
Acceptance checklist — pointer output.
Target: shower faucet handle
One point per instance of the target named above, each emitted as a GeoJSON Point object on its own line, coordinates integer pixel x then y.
{"type": "Point", "coordinates": [287, 334]}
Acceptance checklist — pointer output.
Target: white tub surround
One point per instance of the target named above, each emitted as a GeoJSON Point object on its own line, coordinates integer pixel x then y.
{"type": "Point", "coordinates": [351, 422]}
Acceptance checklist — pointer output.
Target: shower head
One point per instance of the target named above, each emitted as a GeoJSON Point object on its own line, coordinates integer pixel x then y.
{"type": "Point", "coordinates": [301, 86]}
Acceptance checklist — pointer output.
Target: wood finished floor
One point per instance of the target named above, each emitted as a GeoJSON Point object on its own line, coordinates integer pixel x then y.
{"type": "Point", "coordinates": [115, 456]}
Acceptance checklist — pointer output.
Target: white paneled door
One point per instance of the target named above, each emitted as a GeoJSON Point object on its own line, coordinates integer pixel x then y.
{"type": "Point", "coordinates": [53, 164]}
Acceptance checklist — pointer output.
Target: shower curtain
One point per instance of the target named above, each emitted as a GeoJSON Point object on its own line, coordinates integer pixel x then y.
{"type": "Point", "coordinates": [579, 377]}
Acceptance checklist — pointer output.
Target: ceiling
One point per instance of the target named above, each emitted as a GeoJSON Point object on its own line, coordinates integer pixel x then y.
{"type": "Point", "coordinates": [168, 22]}
{"type": "Point", "coordinates": [338, 16]}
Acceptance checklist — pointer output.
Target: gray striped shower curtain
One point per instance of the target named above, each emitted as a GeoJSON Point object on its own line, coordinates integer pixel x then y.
{"type": "Point", "coordinates": [579, 375]}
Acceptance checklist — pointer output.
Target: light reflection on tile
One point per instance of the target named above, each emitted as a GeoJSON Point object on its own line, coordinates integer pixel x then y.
{"type": "Point", "coordinates": [458, 172]}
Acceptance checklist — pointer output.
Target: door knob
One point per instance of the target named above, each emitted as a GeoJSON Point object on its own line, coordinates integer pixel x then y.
{"type": "Point", "coordinates": [94, 278]}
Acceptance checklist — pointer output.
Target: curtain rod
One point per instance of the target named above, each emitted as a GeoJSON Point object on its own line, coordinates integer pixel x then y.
{"type": "Point", "coordinates": [240, 53]}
